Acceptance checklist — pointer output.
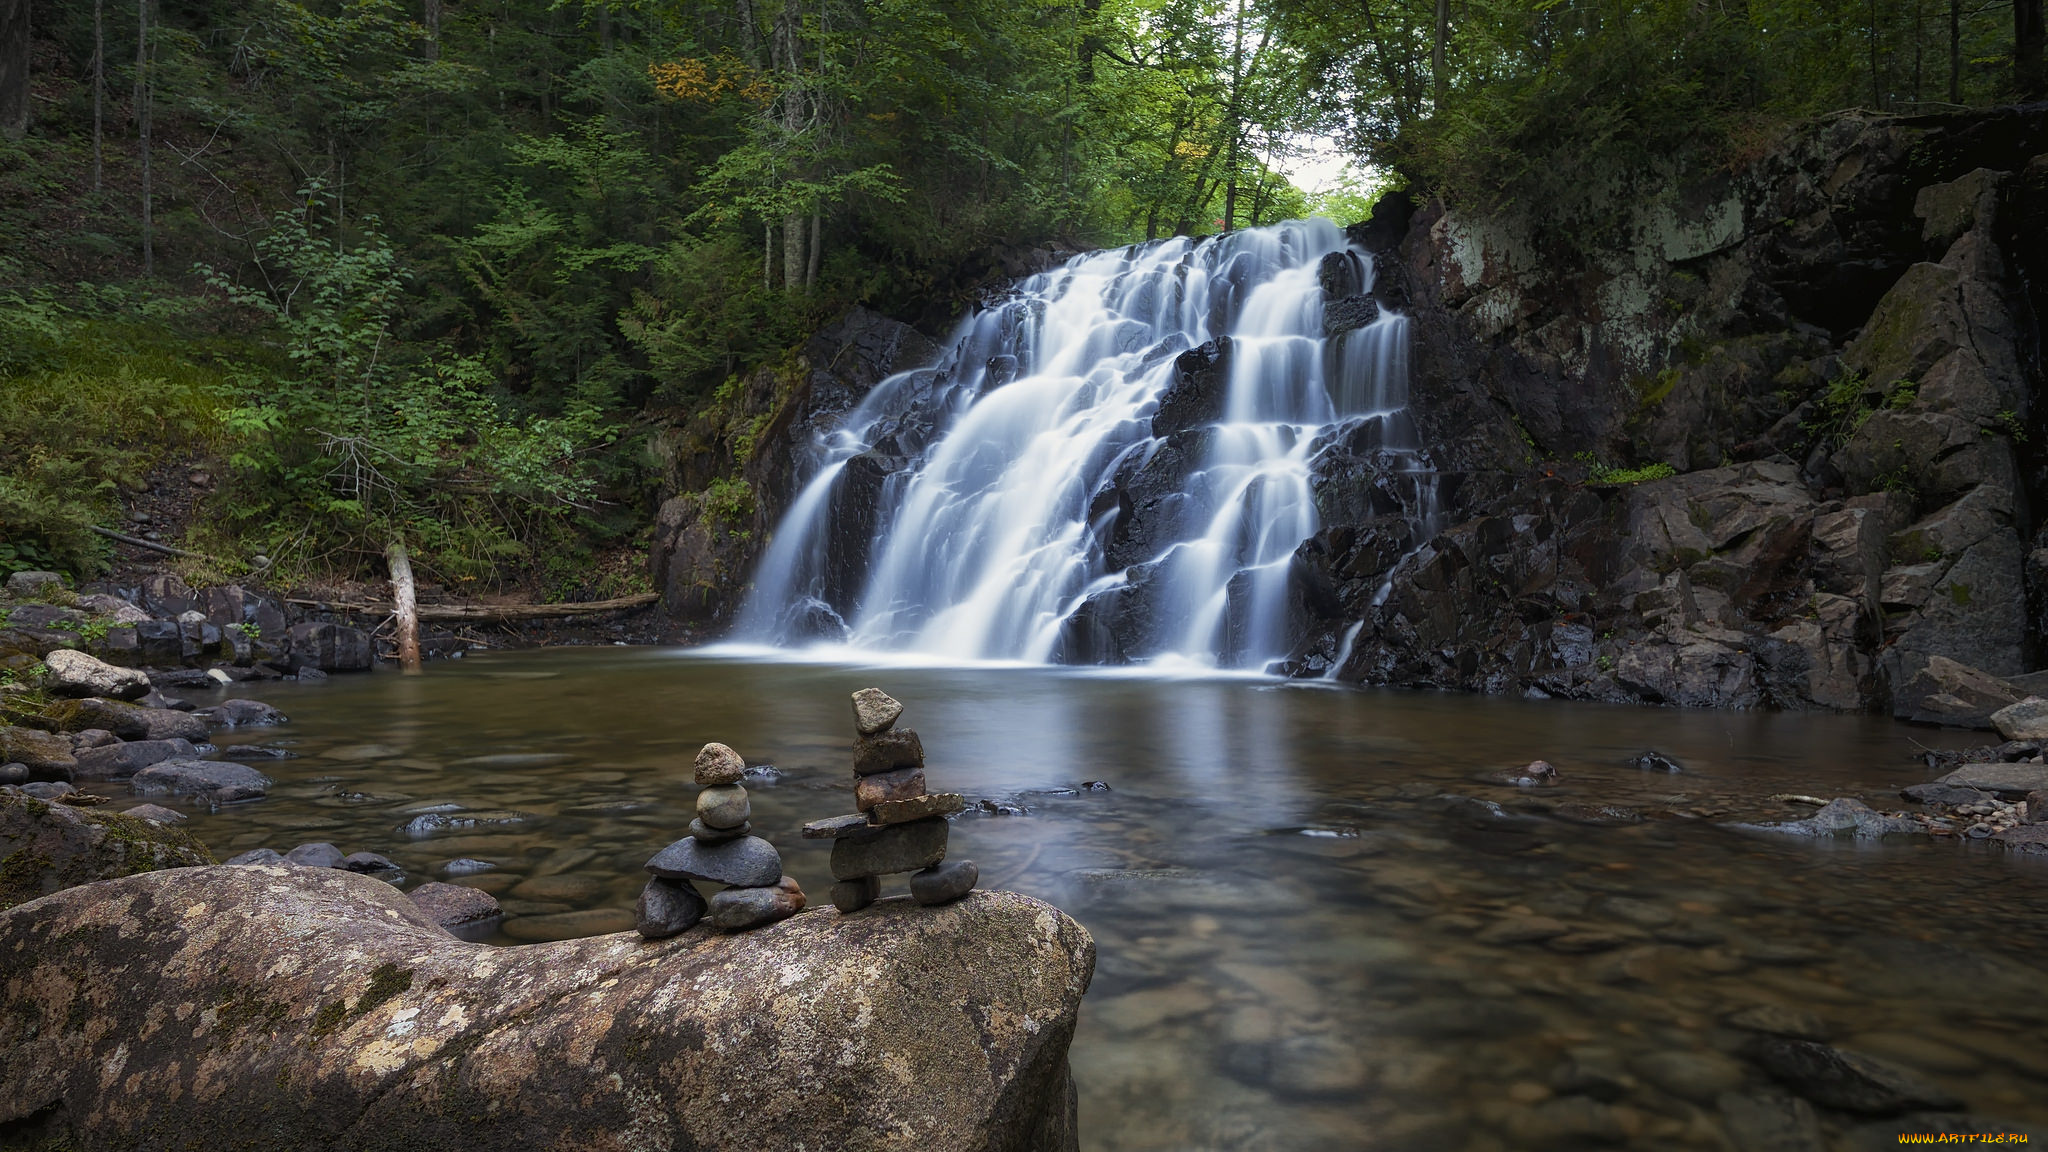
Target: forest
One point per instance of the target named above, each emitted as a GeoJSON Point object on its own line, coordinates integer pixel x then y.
{"type": "Point", "coordinates": [440, 272]}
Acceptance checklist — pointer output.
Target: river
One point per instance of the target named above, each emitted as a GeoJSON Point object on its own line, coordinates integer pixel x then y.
{"type": "Point", "coordinates": [1304, 943]}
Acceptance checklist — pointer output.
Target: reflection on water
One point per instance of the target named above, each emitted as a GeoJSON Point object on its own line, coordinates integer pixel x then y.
{"type": "Point", "coordinates": [1303, 943]}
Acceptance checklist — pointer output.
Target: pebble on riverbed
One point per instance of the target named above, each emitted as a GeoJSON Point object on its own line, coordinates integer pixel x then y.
{"type": "Point", "coordinates": [720, 849]}
{"type": "Point", "coordinates": [904, 828]}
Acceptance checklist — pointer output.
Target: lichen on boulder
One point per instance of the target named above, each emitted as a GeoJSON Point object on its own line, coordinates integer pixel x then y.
{"type": "Point", "coordinates": [46, 847]}
{"type": "Point", "coordinates": [278, 1008]}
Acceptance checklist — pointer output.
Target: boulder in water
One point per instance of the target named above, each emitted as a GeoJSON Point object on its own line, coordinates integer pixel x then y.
{"type": "Point", "coordinates": [951, 1023]}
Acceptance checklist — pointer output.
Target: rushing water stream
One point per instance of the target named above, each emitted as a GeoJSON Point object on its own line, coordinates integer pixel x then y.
{"type": "Point", "coordinates": [1302, 946]}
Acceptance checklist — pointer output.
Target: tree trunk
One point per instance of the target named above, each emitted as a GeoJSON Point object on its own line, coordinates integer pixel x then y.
{"type": "Point", "coordinates": [604, 28]}
{"type": "Point", "coordinates": [14, 43]}
{"type": "Point", "coordinates": [142, 97]}
{"type": "Point", "coordinates": [1236, 113]}
{"type": "Point", "coordinates": [817, 250]}
{"type": "Point", "coordinates": [405, 612]}
{"type": "Point", "coordinates": [1436, 53]}
{"type": "Point", "coordinates": [1876, 93]}
{"type": "Point", "coordinates": [768, 257]}
{"type": "Point", "coordinates": [99, 92]}
{"type": "Point", "coordinates": [430, 15]}
{"type": "Point", "coordinates": [2027, 37]}
{"type": "Point", "coordinates": [792, 252]}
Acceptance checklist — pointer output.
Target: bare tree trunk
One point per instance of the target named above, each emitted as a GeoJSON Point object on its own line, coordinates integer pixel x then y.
{"type": "Point", "coordinates": [817, 249]}
{"type": "Point", "coordinates": [768, 257]}
{"type": "Point", "coordinates": [1436, 53]}
{"type": "Point", "coordinates": [604, 28]}
{"type": "Point", "coordinates": [14, 45]}
{"type": "Point", "coordinates": [430, 15]}
{"type": "Point", "coordinates": [142, 98]}
{"type": "Point", "coordinates": [792, 252]}
{"type": "Point", "coordinates": [750, 35]}
{"type": "Point", "coordinates": [99, 92]}
{"type": "Point", "coordinates": [1236, 122]}
{"type": "Point", "coordinates": [405, 611]}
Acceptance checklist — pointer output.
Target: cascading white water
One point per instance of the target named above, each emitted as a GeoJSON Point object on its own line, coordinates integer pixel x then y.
{"type": "Point", "coordinates": [957, 511]}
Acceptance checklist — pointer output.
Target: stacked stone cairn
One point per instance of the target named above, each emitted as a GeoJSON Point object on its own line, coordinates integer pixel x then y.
{"type": "Point", "coordinates": [720, 849]}
{"type": "Point", "coordinates": [900, 827]}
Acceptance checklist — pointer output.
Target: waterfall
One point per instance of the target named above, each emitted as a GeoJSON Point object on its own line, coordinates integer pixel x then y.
{"type": "Point", "coordinates": [1088, 473]}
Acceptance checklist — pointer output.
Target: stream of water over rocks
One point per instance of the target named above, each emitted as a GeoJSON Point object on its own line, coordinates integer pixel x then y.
{"type": "Point", "coordinates": [1307, 940]}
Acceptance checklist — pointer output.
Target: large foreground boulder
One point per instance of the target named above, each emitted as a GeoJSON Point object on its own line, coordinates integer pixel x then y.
{"type": "Point", "coordinates": [280, 1008]}
{"type": "Point", "coordinates": [46, 847]}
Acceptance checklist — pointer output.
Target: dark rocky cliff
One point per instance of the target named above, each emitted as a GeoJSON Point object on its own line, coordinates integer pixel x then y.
{"type": "Point", "coordinates": [1833, 352]}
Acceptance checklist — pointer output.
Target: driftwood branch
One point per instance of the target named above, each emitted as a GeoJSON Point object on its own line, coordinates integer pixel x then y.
{"type": "Point", "coordinates": [490, 613]}
{"type": "Point", "coordinates": [152, 545]}
{"type": "Point", "coordinates": [403, 610]}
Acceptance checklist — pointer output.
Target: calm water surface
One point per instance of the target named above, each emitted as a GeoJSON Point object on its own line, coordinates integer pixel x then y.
{"type": "Point", "coordinates": [1303, 945]}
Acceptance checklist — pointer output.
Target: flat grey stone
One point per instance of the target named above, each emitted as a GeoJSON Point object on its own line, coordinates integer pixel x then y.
{"type": "Point", "coordinates": [366, 862]}
{"type": "Point", "coordinates": [1938, 793]}
{"type": "Point", "coordinates": [896, 848]}
{"type": "Point", "coordinates": [2017, 778]}
{"type": "Point", "coordinates": [944, 882]}
{"type": "Point", "coordinates": [854, 824]}
{"type": "Point", "coordinates": [216, 778]}
{"type": "Point", "coordinates": [738, 909]}
{"type": "Point", "coordinates": [316, 855]}
{"type": "Point", "coordinates": [874, 711]}
{"type": "Point", "coordinates": [156, 813]}
{"type": "Point", "coordinates": [73, 673]}
{"type": "Point", "coordinates": [699, 830]}
{"type": "Point", "coordinates": [667, 907]}
{"type": "Point", "coordinates": [241, 713]}
{"type": "Point", "coordinates": [917, 808]}
{"type": "Point", "coordinates": [258, 856]}
{"type": "Point", "coordinates": [120, 761]}
{"type": "Point", "coordinates": [450, 904]}
{"type": "Point", "coordinates": [748, 862]}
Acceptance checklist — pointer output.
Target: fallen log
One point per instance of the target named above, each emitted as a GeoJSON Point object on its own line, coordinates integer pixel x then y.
{"type": "Point", "coordinates": [488, 613]}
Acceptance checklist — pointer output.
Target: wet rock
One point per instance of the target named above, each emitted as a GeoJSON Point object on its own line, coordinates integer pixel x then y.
{"type": "Point", "coordinates": [724, 806]}
{"type": "Point", "coordinates": [874, 712]}
{"type": "Point", "coordinates": [896, 748]}
{"type": "Point", "coordinates": [931, 806]}
{"type": "Point", "coordinates": [749, 862]}
{"type": "Point", "coordinates": [92, 738]}
{"type": "Point", "coordinates": [392, 1028]}
{"type": "Point", "coordinates": [465, 866]}
{"type": "Point", "coordinates": [216, 779]}
{"type": "Point", "coordinates": [330, 648]}
{"type": "Point", "coordinates": [944, 882]}
{"type": "Point", "coordinates": [156, 814]}
{"type": "Point", "coordinates": [241, 712]}
{"type": "Point", "coordinates": [1850, 1081]}
{"type": "Point", "coordinates": [451, 904]}
{"type": "Point", "coordinates": [854, 895]}
{"type": "Point", "coordinates": [367, 863]}
{"type": "Point", "coordinates": [1535, 774]}
{"type": "Point", "coordinates": [45, 756]}
{"type": "Point", "coordinates": [316, 855]}
{"type": "Point", "coordinates": [47, 847]}
{"type": "Point", "coordinates": [1656, 762]}
{"type": "Point", "coordinates": [1939, 793]}
{"type": "Point", "coordinates": [2005, 780]}
{"type": "Point", "coordinates": [461, 820]}
{"type": "Point", "coordinates": [73, 673]}
{"type": "Point", "coordinates": [13, 773]}
{"type": "Point", "coordinates": [667, 907]}
{"type": "Point", "coordinates": [1842, 817]}
{"type": "Point", "coordinates": [1696, 1076]}
{"type": "Point", "coordinates": [718, 765]}
{"type": "Point", "coordinates": [257, 856]}
{"type": "Point", "coordinates": [127, 721]}
{"type": "Point", "coordinates": [1777, 1020]}
{"type": "Point", "coordinates": [833, 827]}
{"type": "Point", "coordinates": [699, 830]}
{"type": "Point", "coordinates": [1770, 1122]}
{"type": "Point", "coordinates": [47, 789]}
{"type": "Point", "coordinates": [120, 761]}
{"type": "Point", "coordinates": [1306, 1067]}
{"type": "Point", "coordinates": [738, 909]}
{"type": "Point", "coordinates": [900, 784]}
{"type": "Point", "coordinates": [896, 848]}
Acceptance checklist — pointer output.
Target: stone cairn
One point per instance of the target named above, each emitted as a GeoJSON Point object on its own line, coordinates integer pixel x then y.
{"type": "Point", "coordinates": [900, 827]}
{"type": "Point", "coordinates": [720, 849]}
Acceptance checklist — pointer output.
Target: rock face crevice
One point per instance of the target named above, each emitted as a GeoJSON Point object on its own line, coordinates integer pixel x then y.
{"type": "Point", "coordinates": [1772, 443]}
{"type": "Point", "coordinates": [276, 1008]}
